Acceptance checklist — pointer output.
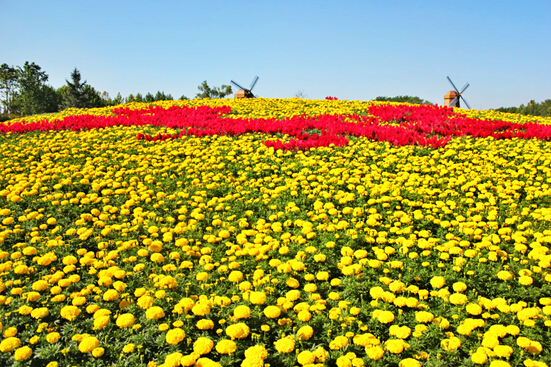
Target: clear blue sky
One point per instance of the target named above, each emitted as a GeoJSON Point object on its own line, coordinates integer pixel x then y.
{"type": "Point", "coordinates": [355, 50]}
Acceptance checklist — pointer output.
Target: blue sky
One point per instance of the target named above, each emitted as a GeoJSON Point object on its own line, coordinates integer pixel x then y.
{"type": "Point", "coordinates": [354, 50]}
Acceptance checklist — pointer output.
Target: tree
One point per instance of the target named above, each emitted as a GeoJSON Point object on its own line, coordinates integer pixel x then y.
{"type": "Point", "coordinates": [533, 108]}
{"type": "Point", "coordinates": [215, 92]}
{"type": "Point", "coordinates": [403, 99]}
{"type": "Point", "coordinates": [79, 94]}
{"type": "Point", "coordinates": [34, 95]}
{"type": "Point", "coordinates": [8, 86]}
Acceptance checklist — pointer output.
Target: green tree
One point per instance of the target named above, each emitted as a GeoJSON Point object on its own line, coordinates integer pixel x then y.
{"type": "Point", "coordinates": [8, 86]}
{"type": "Point", "coordinates": [403, 99]}
{"type": "Point", "coordinates": [34, 95]}
{"type": "Point", "coordinates": [79, 94]}
{"type": "Point", "coordinates": [214, 92]}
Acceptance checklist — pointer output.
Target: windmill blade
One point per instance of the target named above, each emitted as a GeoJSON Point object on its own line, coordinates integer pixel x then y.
{"type": "Point", "coordinates": [237, 85]}
{"type": "Point", "coordinates": [465, 87]}
{"type": "Point", "coordinates": [454, 102]}
{"type": "Point", "coordinates": [454, 87]}
{"type": "Point", "coordinates": [253, 83]}
{"type": "Point", "coordinates": [465, 102]}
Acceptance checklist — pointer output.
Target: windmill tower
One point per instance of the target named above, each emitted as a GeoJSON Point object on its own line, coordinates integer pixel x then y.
{"type": "Point", "coordinates": [244, 92]}
{"type": "Point", "coordinates": [451, 99]}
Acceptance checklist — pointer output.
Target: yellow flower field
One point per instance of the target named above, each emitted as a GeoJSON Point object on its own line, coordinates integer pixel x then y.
{"type": "Point", "coordinates": [219, 250]}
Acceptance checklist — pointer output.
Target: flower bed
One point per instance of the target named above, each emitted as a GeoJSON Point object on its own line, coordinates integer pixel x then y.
{"type": "Point", "coordinates": [275, 231]}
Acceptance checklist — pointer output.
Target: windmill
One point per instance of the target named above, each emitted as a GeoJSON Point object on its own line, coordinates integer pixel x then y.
{"type": "Point", "coordinates": [452, 97]}
{"type": "Point", "coordinates": [244, 92]}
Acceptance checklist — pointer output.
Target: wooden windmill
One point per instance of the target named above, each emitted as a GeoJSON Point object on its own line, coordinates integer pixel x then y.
{"type": "Point", "coordinates": [244, 92]}
{"type": "Point", "coordinates": [451, 99]}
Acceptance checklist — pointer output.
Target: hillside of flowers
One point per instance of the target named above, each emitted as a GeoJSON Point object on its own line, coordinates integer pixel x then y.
{"type": "Point", "coordinates": [280, 232]}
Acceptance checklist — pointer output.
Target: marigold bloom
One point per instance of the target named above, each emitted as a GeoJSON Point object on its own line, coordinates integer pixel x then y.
{"type": "Point", "coordinates": [238, 331]}
{"type": "Point", "coordinates": [225, 346]}
{"type": "Point", "coordinates": [375, 352]}
{"type": "Point", "coordinates": [9, 344]}
{"type": "Point", "coordinates": [338, 343]}
{"type": "Point", "coordinates": [205, 324]}
{"type": "Point", "coordinates": [272, 312]}
{"type": "Point", "coordinates": [203, 345]}
{"type": "Point", "coordinates": [409, 362]}
{"type": "Point", "coordinates": [241, 312]}
{"type": "Point", "coordinates": [53, 337]}
{"type": "Point", "coordinates": [88, 344]}
{"type": "Point", "coordinates": [175, 336]}
{"type": "Point", "coordinates": [70, 312]}
{"type": "Point", "coordinates": [125, 320]}
{"type": "Point", "coordinates": [285, 345]}
{"type": "Point", "coordinates": [23, 353]}
{"type": "Point", "coordinates": [154, 313]}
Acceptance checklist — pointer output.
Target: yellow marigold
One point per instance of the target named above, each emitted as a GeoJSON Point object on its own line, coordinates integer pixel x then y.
{"type": "Point", "coordinates": [424, 316]}
{"type": "Point", "coordinates": [305, 332]}
{"type": "Point", "coordinates": [306, 357]}
{"type": "Point", "coordinates": [458, 299]}
{"type": "Point", "coordinates": [272, 312]}
{"type": "Point", "coordinates": [174, 336]}
{"type": "Point", "coordinates": [128, 348]}
{"type": "Point", "coordinates": [70, 312]}
{"type": "Point", "coordinates": [9, 344]}
{"type": "Point", "coordinates": [98, 352]}
{"type": "Point", "coordinates": [101, 322]}
{"type": "Point", "coordinates": [88, 344]}
{"type": "Point", "coordinates": [285, 345]}
{"type": "Point", "coordinates": [203, 345]}
{"type": "Point", "coordinates": [145, 301]}
{"type": "Point", "coordinates": [473, 309]}
{"type": "Point", "coordinates": [479, 357]}
{"type": "Point", "coordinates": [235, 276]}
{"type": "Point", "coordinates": [402, 332]}
{"type": "Point", "coordinates": [499, 363]}
{"type": "Point", "coordinates": [396, 346]}
{"type": "Point", "coordinates": [452, 343]}
{"type": "Point", "coordinates": [173, 359]}
{"type": "Point", "coordinates": [202, 276]}
{"type": "Point", "coordinates": [201, 309]}
{"type": "Point", "coordinates": [338, 343]}
{"type": "Point", "coordinates": [256, 351]}
{"type": "Point", "coordinates": [385, 317]}
{"type": "Point", "coordinates": [409, 362]}
{"type": "Point", "coordinates": [125, 320]}
{"type": "Point", "coordinates": [154, 313]}
{"type": "Point", "coordinates": [205, 324]}
{"type": "Point", "coordinates": [23, 353]}
{"type": "Point", "coordinates": [503, 351]}
{"type": "Point", "coordinates": [39, 313]}
{"type": "Point", "coordinates": [374, 353]}
{"type": "Point", "coordinates": [504, 275]}
{"type": "Point", "coordinates": [111, 295]}
{"type": "Point", "coordinates": [238, 331]}
{"type": "Point", "coordinates": [241, 312]}
{"type": "Point", "coordinates": [437, 282]}
{"type": "Point", "coordinates": [526, 280]}
{"type": "Point", "coordinates": [53, 337]}
{"type": "Point", "coordinates": [257, 298]}
{"type": "Point", "coordinates": [225, 346]}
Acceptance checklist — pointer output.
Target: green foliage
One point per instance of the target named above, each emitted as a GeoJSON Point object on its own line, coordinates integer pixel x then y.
{"type": "Point", "coordinates": [532, 108]}
{"type": "Point", "coordinates": [404, 99]}
{"type": "Point", "coordinates": [214, 92]}
{"type": "Point", "coordinates": [8, 86]}
{"type": "Point", "coordinates": [34, 95]}
{"type": "Point", "coordinates": [79, 94]}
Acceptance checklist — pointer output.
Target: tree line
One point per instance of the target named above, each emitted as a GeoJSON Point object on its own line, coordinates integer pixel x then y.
{"type": "Point", "coordinates": [24, 91]}
{"type": "Point", "coordinates": [533, 108]}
